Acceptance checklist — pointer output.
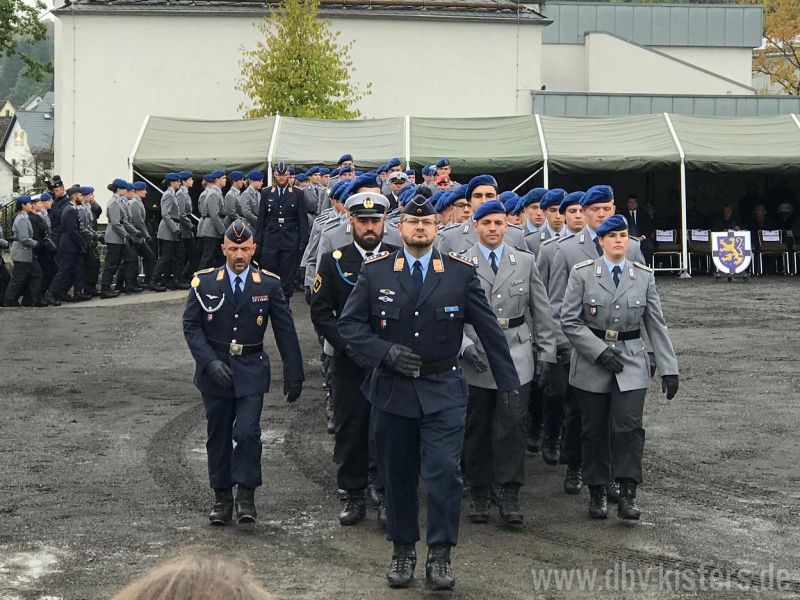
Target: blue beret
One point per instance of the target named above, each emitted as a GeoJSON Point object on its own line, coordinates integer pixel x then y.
{"type": "Point", "coordinates": [281, 168]}
{"type": "Point", "coordinates": [169, 178]}
{"type": "Point", "coordinates": [382, 169]}
{"type": "Point", "coordinates": [312, 171]}
{"type": "Point", "coordinates": [535, 195]}
{"type": "Point", "coordinates": [291, 171]}
{"type": "Point", "coordinates": [236, 175]}
{"type": "Point", "coordinates": [419, 206]}
{"type": "Point", "coordinates": [337, 190]}
{"type": "Point", "coordinates": [360, 173]}
{"type": "Point", "coordinates": [406, 195]}
{"type": "Point", "coordinates": [347, 169]}
{"type": "Point", "coordinates": [552, 198]}
{"type": "Point", "coordinates": [442, 162]}
{"type": "Point", "coordinates": [128, 186]}
{"type": "Point", "coordinates": [208, 178]}
{"type": "Point", "coordinates": [138, 185]}
{"type": "Point", "coordinates": [509, 200]}
{"type": "Point", "coordinates": [238, 232]}
{"type": "Point", "coordinates": [426, 170]}
{"type": "Point", "coordinates": [365, 180]}
{"type": "Point", "coordinates": [255, 176]}
{"type": "Point", "coordinates": [446, 199]}
{"type": "Point", "coordinates": [612, 223]}
{"type": "Point", "coordinates": [23, 199]}
{"type": "Point", "coordinates": [344, 157]}
{"type": "Point", "coordinates": [324, 171]}
{"type": "Point", "coordinates": [120, 183]}
{"type": "Point", "coordinates": [598, 193]}
{"type": "Point", "coordinates": [335, 172]}
{"type": "Point", "coordinates": [569, 200]}
{"type": "Point", "coordinates": [393, 162]}
{"type": "Point", "coordinates": [459, 193]}
{"type": "Point", "coordinates": [489, 208]}
{"type": "Point", "coordinates": [216, 174]}
{"type": "Point", "coordinates": [45, 196]}
{"type": "Point", "coordinates": [184, 175]}
{"type": "Point", "coordinates": [436, 197]}
{"type": "Point", "coordinates": [410, 172]}
{"type": "Point", "coordinates": [301, 177]}
{"type": "Point", "coordinates": [86, 190]}
{"type": "Point", "coordinates": [479, 180]}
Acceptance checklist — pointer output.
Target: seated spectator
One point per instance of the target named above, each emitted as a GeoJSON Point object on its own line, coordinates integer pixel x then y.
{"type": "Point", "coordinates": [762, 219]}
{"type": "Point", "coordinates": [195, 578]}
{"type": "Point", "coordinates": [695, 219]}
{"type": "Point", "coordinates": [726, 220]}
{"type": "Point", "coordinates": [785, 218]}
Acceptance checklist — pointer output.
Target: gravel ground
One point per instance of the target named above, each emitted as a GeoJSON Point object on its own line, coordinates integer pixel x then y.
{"type": "Point", "coordinates": [104, 473]}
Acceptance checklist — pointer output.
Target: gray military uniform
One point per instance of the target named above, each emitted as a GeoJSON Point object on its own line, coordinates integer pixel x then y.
{"type": "Point", "coordinates": [138, 216]}
{"type": "Point", "coordinates": [169, 229]}
{"type": "Point", "coordinates": [116, 230]}
{"type": "Point", "coordinates": [231, 205]}
{"type": "Point", "coordinates": [535, 239]}
{"type": "Point", "coordinates": [23, 244]}
{"type": "Point", "coordinates": [185, 206]}
{"type": "Point", "coordinates": [211, 223]}
{"type": "Point", "coordinates": [515, 291]}
{"type": "Point", "coordinates": [460, 237]}
{"type": "Point", "coordinates": [248, 201]}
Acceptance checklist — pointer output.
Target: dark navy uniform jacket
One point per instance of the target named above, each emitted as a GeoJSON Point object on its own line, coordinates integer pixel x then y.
{"type": "Point", "coordinates": [71, 241]}
{"type": "Point", "coordinates": [282, 218]}
{"type": "Point", "coordinates": [218, 318]}
{"type": "Point", "coordinates": [382, 311]}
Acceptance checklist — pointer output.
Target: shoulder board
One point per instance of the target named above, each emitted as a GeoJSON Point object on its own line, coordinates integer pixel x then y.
{"type": "Point", "coordinates": [329, 226]}
{"type": "Point", "coordinates": [643, 267]}
{"type": "Point", "coordinates": [450, 226]}
{"type": "Point", "coordinates": [461, 259]}
{"type": "Point", "coordinates": [583, 263]}
{"type": "Point", "coordinates": [551, 240]}
{"type": "Point", "coordinates": [563, 239]}
{"type": "Point", "coordinates": [512, 226]}
{"type": "Point", "coordinates": [376, 257]}
{"type": "Point", "coordinates": [205, 271]}
{"type": "Point", "coordinates": [271, 274]}
{"type": "Point", "coordinates": [521, 250]}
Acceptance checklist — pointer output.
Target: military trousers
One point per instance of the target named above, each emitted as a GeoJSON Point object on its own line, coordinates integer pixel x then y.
{"type": "Point", "coordinates": [24, 274]}
{"type": "Point", "coordinates": [144, 252]}
{"type": "Point", "coordinates": [535, 410]}
{"type": "Point", "coordinates": [231, 420]}
{"type": "Point", "coordinates": [612, 435]}
{"type": "Point", "coordinates": [5, 278]}
{"type": "Point", "coordinates": [119, 258]}
{"type": "Point", "coordinates": [211, 255]}
{"type": "Point", "coordinates": [282, 258]}
{"type": "Point", "coordinates": [191, 258]}
{"type": "Point", "coordinates": [494, 442]}
{"type": "Point", "coordinates": [91, 269]}
{"type": "Point", "coordinates": [70, 268]}
{"type": "Point", "coordinates": [429, 446]}
{"type": "Point", "coordinates": [167, 262]}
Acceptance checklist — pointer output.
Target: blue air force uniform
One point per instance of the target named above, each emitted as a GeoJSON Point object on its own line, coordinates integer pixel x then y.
{"type": "Point", "coordinates": [418, 422]}
{"type": "Point", "coordinates": [218, 326]}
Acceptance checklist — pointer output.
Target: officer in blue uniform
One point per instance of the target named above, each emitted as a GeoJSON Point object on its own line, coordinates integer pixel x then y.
{"type": "Point", "coordinates": [224, 323]}
{"type": "Point", "coordinates": [406, 315]}
{"type": "Point", "coordinates": [282, 228]}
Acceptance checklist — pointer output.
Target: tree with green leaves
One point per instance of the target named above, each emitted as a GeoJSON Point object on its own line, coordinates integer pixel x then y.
{"type": "Point", "coordinates": [780, 56]}
{"type": "Point", "coordinates": [20, 26]}
{"type": "Point", "coordinates": [300, 68]}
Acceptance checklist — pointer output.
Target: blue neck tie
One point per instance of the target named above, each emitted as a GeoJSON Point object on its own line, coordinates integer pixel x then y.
{"type": "Point", "coordinates": [493, 261]}
{"type": "Point", "coordinates": [237, 286]}
{"type": "Point", "coordinates": [615, 274]}
{"type": "Point", "coordinates": [416, 276]}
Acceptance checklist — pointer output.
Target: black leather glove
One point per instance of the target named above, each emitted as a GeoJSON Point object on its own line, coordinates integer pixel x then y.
{"type": "Point", "coordinates": [608, 359]}
{"type": "Point", "coordinates": [358, 358]}
{"type": "Point", "coordinates": [292, 389]}
{"type": "Point", "coordinates": [308, 295]}
{"type": "Point", "coordinates": [402, 360]}
{"type": "Point", "coordinates": [474, 359]}
{"type": "Point", "coordinates": [652, 357]}
{"type": "Point", "coordinates": [102, 238]}
{"type": "Point", "coordinates": [669, 384]}
{"type": "Point", "coordinates": [220, 373]}
{"type": "Point", "coordinates": [510, 399]}
{"type": "Point", "coordinates": [3, 244]}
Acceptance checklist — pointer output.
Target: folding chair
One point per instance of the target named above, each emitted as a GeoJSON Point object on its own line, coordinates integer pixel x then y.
{"type": "Point", "coordinates": [771, 243]}
{"type": "Point", "coordinates": [668, 245]}
{"type": "Point", "coordinates": [700, 247]}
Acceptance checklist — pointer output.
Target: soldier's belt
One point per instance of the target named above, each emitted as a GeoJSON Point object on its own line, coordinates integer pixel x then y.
{"type": "Point", "coordinates": [441, 366]}
{"type": "Point", "coordinates": [236, 349]}
{"type": "Point", "coordinates": [610, 335]}
{"type": "Point", "coordinates": [510, 323]}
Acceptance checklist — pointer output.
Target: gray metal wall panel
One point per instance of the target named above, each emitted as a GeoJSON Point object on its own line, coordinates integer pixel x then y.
{"type": "Point", "coordinates": [662, 104]}
{"type": "Point", "coordinates": [790, 105]}
{"type": "Point", "coordinates": [597, 106]}
{"type": "Point", "coordinates": [568, 23]}
{"type": "Point", "coordinates": [697, 26]}
{"type": "Point", "coordinates": [683, 106]}
{"type": "Point", "coordinates": [576, 105]}
{"type": "Point", "coordinates": [753, 27]}
{"type": "Point", "coordinates": [643, 25]}
{"type": "Point", "coordinates": [550, 34]}
{"type": "Point", "coordinates": [641, 105]}
{"type": "Point", "coordinates": [623, 22]}
{"type": "Point", "coordinates": [679, 25]}
{"type": "Point", "coordinates": [715, 26]}
{"type": "Point", "coordinates": [605, 18]}
{"type": "Point", "coordinates": [734, 27]}
{"type": "Point", "coordinates": [768, 106]}
{"type": "Point", "coordinates": [662, 26]}
{"type": "Point", "coordinates": [619, 105]}
{"type": "Point", "coordinates": [746, 107]}
{"type": "Point", "coordinates": [725, 107]}
{"type": "Point", "coordinates": [587, 19]}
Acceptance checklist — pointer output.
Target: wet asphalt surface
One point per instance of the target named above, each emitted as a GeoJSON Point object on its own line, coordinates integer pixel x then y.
{"type": "Point", "coordinates": [104, 476]}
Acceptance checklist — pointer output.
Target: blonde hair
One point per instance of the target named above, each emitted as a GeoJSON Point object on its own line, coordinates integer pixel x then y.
{"type": "Point", "coordinates": [195, 578]}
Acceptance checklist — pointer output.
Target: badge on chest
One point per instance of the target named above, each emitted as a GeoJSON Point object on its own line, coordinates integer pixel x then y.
{"type": "Point", "coordinates": [593, 310]}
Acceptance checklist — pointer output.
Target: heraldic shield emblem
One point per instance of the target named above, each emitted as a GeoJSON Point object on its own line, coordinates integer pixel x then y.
{"type": "Point", "coordinates": [732, 251]}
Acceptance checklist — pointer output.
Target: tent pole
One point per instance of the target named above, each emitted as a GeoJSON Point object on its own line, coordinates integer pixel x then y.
{"type": "Point", "coordinates": [796, 120]}
{"type": "Point", "coordinates": [136, 146]}
{"type": "Point", "coordinates": [684, 274]}
{"type": "Point", "coordinates": [273, 140]}
{"type": "Point", "coordinates": [159, 189]}
{"type": "Point", "coordinates": [543, 145]}
{"type": "Point", "coordinates": [407, 141]}
{"type": "Point", "coordinates": [528, 178]}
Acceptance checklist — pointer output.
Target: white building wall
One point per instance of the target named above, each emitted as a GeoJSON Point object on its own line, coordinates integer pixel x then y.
{"type": "Point", "coordinates": [19, 154]}
{"type": "Point", "coordinates": [112, 71]}
{"type": "Point", "coordinates": [6, 183]}
{"type": "Point", "coordinates": [733, 63]}
{"type": "Point", "coordinates": [564, 67]}
{"type": "Point", "coordinates": [615, 66]}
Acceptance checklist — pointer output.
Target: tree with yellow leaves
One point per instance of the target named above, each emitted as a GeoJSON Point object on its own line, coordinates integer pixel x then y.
{"type": "Point", "coordinates": [780, 57]}
{"type": "Point", "coordinates": [300, 68]}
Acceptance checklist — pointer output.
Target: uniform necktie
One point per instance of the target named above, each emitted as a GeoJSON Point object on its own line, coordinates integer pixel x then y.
{"type": "Point", "coordinates": [237, 286]}
{"type": "Point", "coordinates": [368, 254]}
{"type": "Point", "coordinates": [615, 274]}
{"type": "Point", "coordinates": [416, 276]}
{"type": "Point", "coordinates": [493, 261]}
{"type": "Point", "coordinates": [633, 215]}
{"type": "Point", "coordinates": [598, 246]}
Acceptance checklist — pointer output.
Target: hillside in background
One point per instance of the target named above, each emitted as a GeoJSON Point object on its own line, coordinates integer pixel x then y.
{"type": "Point", "coordinates": [16, 88]}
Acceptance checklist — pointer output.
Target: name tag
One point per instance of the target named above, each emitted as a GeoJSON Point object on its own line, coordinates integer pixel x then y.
{"type": "Point", "coordinates": [263, 298]}
{"type": "Point", "coordinates": [451, 309]}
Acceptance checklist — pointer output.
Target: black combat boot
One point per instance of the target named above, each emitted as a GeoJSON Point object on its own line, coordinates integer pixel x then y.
{"type": "Point", "coordinates": [246, 505]}
{"type": "Point", "coordinates": [598, 503]}
{"type": "Point", "coordinates": [479, 506]}
{"type": "Point", "coordinates": [438, 570]}
{"type": "Point", "coordinates": [551, 450]}
{"type": "Point", "coordinates": [355, 508]}
{"type": "Point", "coordinates": [382, 515]}
{"type": "Point", "coordinates": [533, 439]}
{"type": "Point", "coordinates": [330, 425]}
{"type": "Point", "coordinates": [222, 511]}
{"type": "Point", "coordinates": [401, 571]}
{"type": "Point", "coordinates": [374, 495]}
{"type": "Point", "coordinates": [626, 507]}
{"type": "Point", "coordinates": [573, 482]}
{"type": "Point", "coordinates": [50, 300]}
{"type": "Point", "coordinates": [508, 503]}
{"type": "Point", "coordinates": [612, 490]}
{"type": "Point", "coordinates": [154, 287]}
{"type": "Point", "coordinates": [107, 292]}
